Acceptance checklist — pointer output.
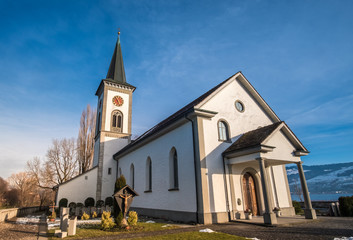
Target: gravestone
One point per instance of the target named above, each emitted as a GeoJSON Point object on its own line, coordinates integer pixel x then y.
{"type": "Point", "coordinates": [43, 225]}
{"type": "Point", "coordinates": [64, 219]}
{"type": "Point", "coordinates": [72, 226]}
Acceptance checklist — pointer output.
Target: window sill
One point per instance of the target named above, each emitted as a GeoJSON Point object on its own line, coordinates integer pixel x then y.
{"type": "Point", "coordinates": [227, 141]}
{"type": "Point", "coordinates": [173, 189]}
{"type": "Point", "coordinates": [147, 191]}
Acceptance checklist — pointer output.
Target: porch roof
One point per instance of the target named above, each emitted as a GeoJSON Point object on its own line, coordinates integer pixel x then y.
{"type": "Point", "coordinates": [256, 140]}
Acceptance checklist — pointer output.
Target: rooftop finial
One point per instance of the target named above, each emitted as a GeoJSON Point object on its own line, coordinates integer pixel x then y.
{"type": "Point", "coordinates": [118, 31]}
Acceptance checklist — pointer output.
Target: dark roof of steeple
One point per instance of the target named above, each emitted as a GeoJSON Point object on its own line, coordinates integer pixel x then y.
{"type": "Point", "coordinates": [116, 72]}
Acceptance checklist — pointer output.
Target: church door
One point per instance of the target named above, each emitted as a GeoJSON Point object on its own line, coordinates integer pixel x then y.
{"type": "Point", "coordinates": [249, 192]}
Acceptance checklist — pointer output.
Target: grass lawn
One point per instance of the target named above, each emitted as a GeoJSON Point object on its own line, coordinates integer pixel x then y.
{"type": "Point", "coordinates": [94, 230]}
{"type": "Point", "coordinates": [194, 235]}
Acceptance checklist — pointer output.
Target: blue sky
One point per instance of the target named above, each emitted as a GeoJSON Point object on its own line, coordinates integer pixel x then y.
{"type": "Point", "coordinates": [53, 54]}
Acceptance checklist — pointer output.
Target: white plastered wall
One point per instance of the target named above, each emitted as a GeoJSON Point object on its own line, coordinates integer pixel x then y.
{"type": "Point", "coordinates": [80, 188]}
{"type": "Point", "coordinates": [158, 150]}
{"type": "Point", "coordinates": [239, 123]}
{"type": "Point", "coordinates": [111, 107]}
{"type": "Point", "coordinates": [111, 146]}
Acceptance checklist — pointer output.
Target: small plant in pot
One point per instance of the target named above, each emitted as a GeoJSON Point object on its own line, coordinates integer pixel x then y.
{"type": "Point", "coordinates": [277, 210]}
{"type": "Point", "coordinates": [52, 216]}
{"type": "Point", "coordinates": [248, 214]}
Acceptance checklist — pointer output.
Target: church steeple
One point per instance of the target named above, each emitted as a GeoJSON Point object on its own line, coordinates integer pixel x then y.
{"type": "Point", "coordinates": [116, 72]}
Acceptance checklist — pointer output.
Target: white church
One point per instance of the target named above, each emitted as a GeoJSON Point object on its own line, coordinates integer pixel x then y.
{"type": "Point", "coordinates": [219, 156]}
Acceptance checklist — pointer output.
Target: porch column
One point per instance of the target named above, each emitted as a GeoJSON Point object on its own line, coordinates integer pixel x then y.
{"type": "Point", "coordinates": [309, 211]}
{"type": "Point", "coordinates": [269, 215]}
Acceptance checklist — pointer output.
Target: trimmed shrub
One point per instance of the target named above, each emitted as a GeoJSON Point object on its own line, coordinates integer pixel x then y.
{"type": "Point", "coordinates": [109, 201]}
{"type": "Point", "coordinates": [107, 222]}
{"type": "Point", "coordinates": [120, 183]}
{"type": "Point", "coordinates": [80, 205]}
{"type": "Point", "coordinates": [119, 218]}
{"type": "Point", "coordinates": [100, 203]}
{"type": "Point", "coordinates": [133, 217]}
{"type": "Point", "coordinates": [89, 202]}
{"type": "Point", "coordinates": [297, 207]}
{"type": "Point", "coordinates": [94, 214]}
{"type": "Point", "coordinates": [72, 205]}
{"type": "Point", "coordinates": [85, 216]}
{"type": "Point", "coordinates": [346, 206]}
{"type": "Point", "coordinates": [63, 202]}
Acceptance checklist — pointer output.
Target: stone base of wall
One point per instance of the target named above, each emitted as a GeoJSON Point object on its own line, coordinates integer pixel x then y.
{"type": "Point", "coordinates": [177, 216]}
{"type": "Point", "coordinates": [288, 211]}
{"type": "Point", "coordinates": [180, 216]}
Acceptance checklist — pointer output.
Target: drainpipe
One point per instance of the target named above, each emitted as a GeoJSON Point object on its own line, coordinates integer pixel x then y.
{"type": "Point", "coordinates": [226, 188]}
{"type": "Point", "coordinates": [195, 171]}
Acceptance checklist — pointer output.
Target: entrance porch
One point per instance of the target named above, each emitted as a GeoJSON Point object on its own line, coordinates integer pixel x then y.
{"type": "Point", "coordinates": [256, 175]}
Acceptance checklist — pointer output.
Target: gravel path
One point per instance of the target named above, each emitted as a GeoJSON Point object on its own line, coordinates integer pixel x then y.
{"type": "Point", "coordinates": [13, 231]}
{"type": "Point", "coordinates": [323, 228]}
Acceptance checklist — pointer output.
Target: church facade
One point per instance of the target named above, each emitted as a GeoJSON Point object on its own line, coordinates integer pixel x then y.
{"type": "Point", "coordinates": [218, 157]}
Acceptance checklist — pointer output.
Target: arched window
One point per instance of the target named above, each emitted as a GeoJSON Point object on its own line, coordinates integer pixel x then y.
{"type": "Point", "coordinates": [117, 121]}
{"type": "Point", "coordinates": [223, 131]}
{"type": "Point", "coordinates": [148, 175]}
{"type": "Point", "coordinates": [132, 176]}
{"type": "Point", "coordinates": [173, 170]}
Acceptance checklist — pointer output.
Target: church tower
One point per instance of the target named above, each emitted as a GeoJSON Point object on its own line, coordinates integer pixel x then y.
{"type": "Point", "coordinates": [113, 125]}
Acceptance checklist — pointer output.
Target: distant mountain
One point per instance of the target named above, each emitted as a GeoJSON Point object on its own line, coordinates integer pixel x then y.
{"type": "Point", "coordinates": [323, 179]}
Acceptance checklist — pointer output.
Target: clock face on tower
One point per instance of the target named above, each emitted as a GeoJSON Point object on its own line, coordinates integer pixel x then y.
{"type": "Point", "coordinates": [118, 101]}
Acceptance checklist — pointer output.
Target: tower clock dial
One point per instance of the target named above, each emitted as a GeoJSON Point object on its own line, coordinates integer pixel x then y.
{"type": "Point", "coordinates": [118, 101]}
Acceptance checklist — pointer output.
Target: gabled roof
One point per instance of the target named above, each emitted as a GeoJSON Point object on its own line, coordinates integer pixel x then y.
{"type": "Point", "coordinates": [198, 103]}
{"type": "Point", "coordinates": [260, 136]}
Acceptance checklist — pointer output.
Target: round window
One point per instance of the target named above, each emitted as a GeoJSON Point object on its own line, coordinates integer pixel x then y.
{"type": "Point", "coordinates": [239, 106]}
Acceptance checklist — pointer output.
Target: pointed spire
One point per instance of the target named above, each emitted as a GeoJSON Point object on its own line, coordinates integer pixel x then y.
{"type": "Point", "coordinates": [116, 71]}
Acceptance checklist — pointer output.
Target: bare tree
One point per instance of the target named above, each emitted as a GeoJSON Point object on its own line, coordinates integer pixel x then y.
{"type": "Point", "coordinates": [61, 162]}
{"type": "Point", "coordinates": [85, 140]}
{"type": "Point", "coordinates": [25, 185]}
{"type": "Point", "coordinates": [3, 190]}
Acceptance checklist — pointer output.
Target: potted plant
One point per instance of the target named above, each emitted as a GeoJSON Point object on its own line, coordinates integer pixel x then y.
{"type": "Point", "coordinates": [277, 210]}
{"type": "Point", "coordinates": [52, 216]}
{"type": "Point", "coordinates": [248, 214]}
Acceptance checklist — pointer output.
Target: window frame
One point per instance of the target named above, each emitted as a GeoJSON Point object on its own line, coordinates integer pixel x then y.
{"type": "Point", "coordinates": [226, 131]}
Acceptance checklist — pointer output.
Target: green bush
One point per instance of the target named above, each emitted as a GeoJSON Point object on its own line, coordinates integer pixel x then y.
{"type": "Point", "coordinates": [100, 203]}
{"type": "Point", "coordinates": [72, 205]}
{"type": "Point", "coordinates": [89, 202]}
{"type": "Point", "coordinates": [297, 207]}
{"type": "Point", "coordinates": [80, 205]}
{"type": "Point", "coordinates": [133, 217]}
{"type": "Point", "coordinates": [109, 201]}
{"type": "Point", "coordinates": [119, 184]}
{"type": "Point", "coordinates": [119, 218]}
{"type": "Point", "coordinates": [63, 202]}
{"type": "Point", "coordinates": [346, 206]}
{"type": "Point", "coordinates": [107, 222]}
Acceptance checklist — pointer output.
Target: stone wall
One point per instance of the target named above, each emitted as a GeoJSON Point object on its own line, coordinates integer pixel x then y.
{"type": "Point", "coordinates": [19, 212]}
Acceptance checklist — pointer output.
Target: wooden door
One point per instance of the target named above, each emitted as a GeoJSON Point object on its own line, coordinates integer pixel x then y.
{"type": "Point", "coordinates": [249, 192]}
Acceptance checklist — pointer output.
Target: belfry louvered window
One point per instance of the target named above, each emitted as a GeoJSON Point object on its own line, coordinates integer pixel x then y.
{"type": "Point", "coordinates": [117, 121]}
